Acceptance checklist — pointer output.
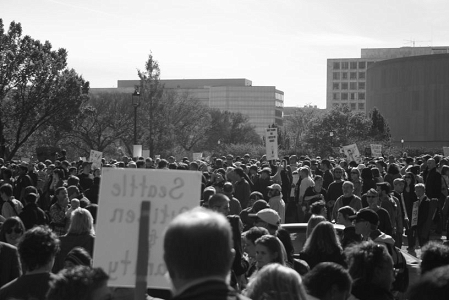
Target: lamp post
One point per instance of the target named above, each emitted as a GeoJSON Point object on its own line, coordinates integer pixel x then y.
{"type": "Point", "coordinates": [331, 134]}
{"type": "Point", "coordinates": [135, 97]}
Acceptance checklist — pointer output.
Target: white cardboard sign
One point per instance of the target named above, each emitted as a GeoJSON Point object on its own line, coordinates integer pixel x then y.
{"type": "Point", "coordinates": [137, 150]}
{"type": "Point", "coordinates": [446, 151]}
{"type": "Point", "coordinates": [271, 142]}
{"type": "Point", "coordinates": [197, 156]}
{"type": "Point", "coordinates": [352, 153]}
{"type": "Point", "coordinates": [95, 159]}
{"type": "Point", "coordinates": [376, 150]}
{"type": "Point", "coordinates": [121, 194]}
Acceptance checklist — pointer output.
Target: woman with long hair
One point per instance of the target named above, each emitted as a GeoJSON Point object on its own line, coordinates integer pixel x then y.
{"type": "Point", "coordinates": [393, 172]}
{"type": "Point", "coordinates": [12, 230]}
{"type": "Point", "coordinates": [355, 179]}
{"type": "Point", "coordinates": [269, 249]}
{"type": "Point", "coordinates": [368, 181]}
{"type": "Point", "coordinates": [323, 245]}
{"type": "Point", "coordinates": [81, 233]}
{"type": "Point", "coordinates": [313, 221]}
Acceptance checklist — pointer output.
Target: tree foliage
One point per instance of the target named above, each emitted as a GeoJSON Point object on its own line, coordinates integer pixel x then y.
{"type": "Point", "coordinates": [36, 88]}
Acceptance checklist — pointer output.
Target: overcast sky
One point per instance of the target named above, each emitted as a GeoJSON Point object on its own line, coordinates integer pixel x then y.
{"type": "Point", "coordinates": [270, 42]}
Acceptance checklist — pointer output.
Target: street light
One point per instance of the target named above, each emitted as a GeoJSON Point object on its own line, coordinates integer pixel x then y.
{"type": "Point", "coordinates": [135, 97]}
{"type": "Point", "coordinates": [331, 134]}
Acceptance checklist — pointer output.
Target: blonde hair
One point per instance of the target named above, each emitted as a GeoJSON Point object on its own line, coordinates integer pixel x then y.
{"type": "Point", "coordinates": [313, 221]}
{"type": "Point", "coordinates": [276, 282]}
{"type": "Point", "coordinates": [81, 222]}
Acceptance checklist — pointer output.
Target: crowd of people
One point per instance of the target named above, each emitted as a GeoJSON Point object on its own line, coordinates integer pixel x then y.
{"type": "Point", "coordinates": [233, 246]}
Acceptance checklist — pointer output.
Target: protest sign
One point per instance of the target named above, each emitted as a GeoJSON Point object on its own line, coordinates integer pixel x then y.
{"type": "Point", "coordinates": [376, 150]}
{"type": "Point", "coordinates": [446, 151]}
{"type": "Point", "coordinates": [83, 158]}
{"type": "Point", "coordinates": [25, 159]}
{"type": "Point", "coordinates": [95, 159]}
{"type": "Point", "coordinates": [121, 193]}
{"type": "Point", "coordinates": [145, 153]}
{"type": "Point", "coordinates": [197, 156]}
{"type": "Point", "coordinates": [352, 153]}
{"type": "Point", "coordinates": [271, 142]}
{"type": "Point", "coordinates": [137, 150]}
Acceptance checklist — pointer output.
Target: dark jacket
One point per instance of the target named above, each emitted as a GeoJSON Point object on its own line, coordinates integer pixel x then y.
{"type": "Point", "coordinates": [9, 263]}
{"type": "Point", "coordinates": [210, 290]}
{"type": "Point", "coordinates": [32, 215]}
{"type": "Point", "coordinates": [367, 291]}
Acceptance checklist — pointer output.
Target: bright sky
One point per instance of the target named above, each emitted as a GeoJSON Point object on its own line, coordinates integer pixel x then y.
{"type": "Point", "coordinates": [282, 43]}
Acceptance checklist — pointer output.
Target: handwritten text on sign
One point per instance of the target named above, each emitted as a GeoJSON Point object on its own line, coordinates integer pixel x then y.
{"type": "Point", "coordinates": [121, 193]}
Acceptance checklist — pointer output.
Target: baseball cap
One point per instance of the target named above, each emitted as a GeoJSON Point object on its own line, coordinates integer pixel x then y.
{"type": "Point", "coordinates": [268, 215]}
{"type": "Point", "coordinates": [275, 186]}
{"type": "Point", "coordinates": [366, 214]}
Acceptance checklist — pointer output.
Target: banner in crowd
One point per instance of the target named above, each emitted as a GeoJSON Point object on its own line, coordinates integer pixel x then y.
{"type": "Point", "coordinates": [145, 153]}
{"type": "Point", "coordinates": [95, 159]}
{"type": "Point", "coordinates": [352, 153]}
{"type": "Point", "coordinates": [83, 158]}
{"type": "Point", "coordinates": [137, 150]}
{"type": "Point", "coordinates": [197, 156]}
{"type": "Point", "coordinates": [446, 151]}
{"type": "Point", "coordinates": [121, 193]}
{"type": "Point", "coordinates": [271, 142]}
{"type": "Point", "coordinates": [376, 150]}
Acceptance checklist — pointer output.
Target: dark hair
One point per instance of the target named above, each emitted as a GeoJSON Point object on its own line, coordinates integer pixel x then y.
{"type": "Point", "coordinates": [284, 236]}
{"type": "Point", "coordinates": [434, 255]}
{"type": "Point", "coordinates": [393, 169]}
{"type": "Point", "coordinates": [37, 247]}
{"type": "Point", "coordinates": [140, 163]}
{"type": "Point", "coordinates": [432, 286]}
{"type": "Point", "coordinates": [162, 164]}
{"type": "Point", "coordinates": [347, 211]}
{"type": "Point", "coordinates": [317, 206]}
{"type": "Point", "coordinates": [7, 173]}
{"type": "Point", "coordinates": [78, 256]}
{"type": "Point", "coordinates": [385, 186]}
{"type": "Point", "coordinates": [6, 189]}
{"type": "Point", "coordinates": [30, 198]}
{"type": "Point", "coordinates": [76, 283]}
{"type": "Point", "coordinates": [8, 224]}
{"type": "Point", "coordinates": [320, 280]}
{"type": "Point", "coordinates": [375, 172]}
{"type": "Point", "coordinates": [317, 177]}
{"type": "Point", "coordinates": [412, 182]}
{"type": "Point", "coordinates": [254, 233]}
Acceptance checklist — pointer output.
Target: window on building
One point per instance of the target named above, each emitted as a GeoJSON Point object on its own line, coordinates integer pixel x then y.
{"type": "Point", "coordinates": [361, 96]}
{"type": "Point", "coordinates": [344, 86]}
{"type": "Point", "coordinates": [335, 96]}
{"type": "Point", "coordinates": [353, 75]}
{"type": "Point", "coordinates": [345, 65]}
{"type": "Point", "coordinates": [353, 65]}
{"type": "Point", "coordinates": [344, 75]}
{"type": "Point", "coordinates": [362, 65]}
{"type": "Point", "coordinates": [352, 106]}
{"type": "Point", "coordinates": [344, 96]}
{"type": "Point", "coordinates": [336, 75]}
{"type": "Point", "coordinates": [336, 66]}
{"type": "Point", "coordinates": [352, 96]}
{"type": "Point", "coordinates": [353, 85]}
{"type": "Point", "coordinates": [361, 106]}
{"type": "Point", "coordinates": [361, 85]}
{"type": "Point", "coordinates": [335, 86]}
{"type": "Point", "coordinates": [361, 75]}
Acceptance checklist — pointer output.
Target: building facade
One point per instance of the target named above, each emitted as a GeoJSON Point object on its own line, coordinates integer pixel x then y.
{"type": "Point", "coordinates": [412, 94]}
{"type": "Point", "coordinates": [262, 104]}
{"type": "Point", "coordinates": [347, 77]}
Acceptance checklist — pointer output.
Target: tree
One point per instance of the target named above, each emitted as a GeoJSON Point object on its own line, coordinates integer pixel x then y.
{"type": "Point", "coordinates": [379, 128]}
{"type": "Point", "coordinates": [297, 124]}
{"type": "Point", "coordinates": [36, 88]}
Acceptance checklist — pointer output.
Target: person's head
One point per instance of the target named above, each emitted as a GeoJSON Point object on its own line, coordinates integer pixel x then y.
{"type": "Point", "coordinates": [343, 215]}
{"type": "Point", "coordinates": [6, 190]}
{"type": "Point", "coordinates": [284, 236]}
{"type": "Point", "coordinates": [338, 173]}
{"type": "Point", "coordinates": [274, 190]}
{"type": "Point", "coordinates": [62, 196]}
{"type": "Point", "coordinates": [384, 188]}
{"type": "Point", "coordinates": [323, 239]}
{"type": "Point", "coordinates": [304, 172]}
{"type": "Point", "coordinates": [409, 178]}
{"type": "Point", "coordinates": [80, 283]}
{"type": "Point", "coordinates": [313, 221]}
{"type": "Point", "coordinates": [276, 281]}
{"type": "Point", "coordinates": [355, 174]}
{"type": "Point", "coordinates": [348, 189]}
{"type": "Point", "coordinates": [239, 173]}
{"type": "Point", "coordinates": [38, 248]}
{"type": "Point", "coordinates": [431, 163]}
{"type": "Point", "coordinates": [86, 166]}
{"type": "Point", "coordinates": [265, 173]}
{"type": "Point", "coordinates": [365, 221]}
{"type": "Point", "coordinates": [326, 165]}
{"type": "Point", "coordinates": [398, 185]}
{"type": "Point", "coordinates": [31, 198]}
{"type": "Point", "coordinates": [253, 197]}
{"type": "Point", "coordinates": [81, 222]}
{"type": "Point", "coordinates": [372, 197]}
{"type": "Point", "coordinates": [370, 264]}
{"type": "Point", "coordinates": [434, 285]}
{"type": "Point", "coordinates": [267, 218]}
{"type": "Point", "coordinates": [318, 179]}
{"type": "Point", "coordinates": [434, 255]}
{"type": "Point", "coordinates": [250, 237]}
{"type": "Point", "coordinates": [219, 203]}
{"type": "Point", "coordinates": [78, 256]}
{"type": "Point", "coordinates": [328, 280]}
{"type": "Point", "coordinates": [420, 189]}
{"type": "Point", "coordinates": [367, 174]}
{"type": "Point", "coordinates": [73, 192]}
{"type": "Point", "coordinates": [228, 189]}
{"type": "Point", "coordinates": [198, 259]}
{"type": "Point", "coordinates": [269, 249]}
{"type": "Point", "coordinates": [12, 230]}
{"type": "Point", "coordinates": [319, 208]}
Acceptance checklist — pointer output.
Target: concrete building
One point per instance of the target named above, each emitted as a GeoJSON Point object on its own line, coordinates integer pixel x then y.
{"type": "Point", "coordinates": [412, 94]}
{"type": "Point", "coordinates": [347, 77]}
{"type": "Point", "coordinates": [263, 104]}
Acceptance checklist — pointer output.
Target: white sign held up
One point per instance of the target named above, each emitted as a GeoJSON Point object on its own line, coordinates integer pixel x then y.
{"type": "Point", "coordinates": [121, 193]}
{"type": "Point", "coordinates": [352, 153]}
{"type": "Point", "coordinates": [376, 150]}
{"type": "Point", "coordinates": [137, 150]}
{"type": "Point", "coordinates": [95, 159]}
{"type": "Point", "coordinates": [197, 156]}
{"type": "Point", "coordinates": [446, 151]}
{"type": "Point", "coordinates": [271, 142]}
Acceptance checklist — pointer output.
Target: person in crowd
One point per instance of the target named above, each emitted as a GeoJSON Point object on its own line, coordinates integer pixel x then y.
{"type": "Point", "coordinates": [306, 182]}
{"type": "Point", "coordinates": [371, 269]}
{"type": "Point", "coordinates": [220, 203]}
{"type": "Point", "coordinates": [80, 282]}
{"type": "Point", "coordinates": [343, 218]}
{"type": "Point", "coordinates": [195, 272]}
{"type": "Point", "coordinates": [298, 265]}
{"type": "Point", "coordinates": [10, 267]}
{"type": "Point", "coordinates": [433, 255]}
{"type": "Point", "coordinates": [242, 187]}
{"type": "Point", "coordinates": [81, 233]}
{"type": "Point", "coordinates": [93, 192]}
{"type": "Point", "coordinates": [328, 177]}
{"type": "Point", "coordinates": [276, 281]}
{"type": "Point", "coordinates": [347, 199]}
{"type": "Point", "coordinates": [410, 198]}
{"type": "Point", "coordinates": [249, 241]}
{"type": "Point", "coordinates": [267, 218]}
{"type": "Point", "coordinates": [434, 285]}
{"type": "Point", "coordinates": [323, 245]}
{"type": "Point", "coordinates": [356, 181]}
{"type": "Point", "coordinates": [367, 180]}
{"type": "Point", "coordinates": [11, 207]}
{"type": "Point", "coordinates": [314, 193]}
{"type": "Point", "coordinates": [426, 207]}
{"type": "Point", "coordinates": [234, 204]}
{"type": "Point", "coordinates": [335, 190]}
{"type": "Point", "coordinates": [22, 181]}
{"type": "Point", "coordinates": [37, 250]}
{"type": "Point", "coordinates": [313, 221]}
{"type": "Point", "coordinates": [240, 264]}
{"type": "Point", "coordinates": [391, 205]}
{"type": "Point", "coordinates": [31, 214]}
{"type": "Point", "coordinates": [269, 249]}
{"type": "Point", "coordinates": [433, 184]}
{"type": "Point", "coordinates": [262, 182]}
{"type": "Point", "coordinates": [86, 178]}
{"type": "Point", "coordinates": [58, 211]}
{"type": "Point", "coordinates": [275, 200]}
{"type": "Point", "coordinates": [398, 188]}
{"type": "Point", "coordinates": [393, 172]}
{"type": "Point", "coordinates": [256, 203]}
{"type": "Point", "coordinates": [319, 208]}
{"type": "Point", "coordinates": [328, 281]}
{"type": "Point", "coordinates": [12, 230]}
{"type": "Point", "coordinates": [372, 197]}
{"type": "Point", "coordinates": [366, 224]}
{"type": "Point", "coordinates": [377, 176]}
{"type": "Point", "coordinates": [78, 256]}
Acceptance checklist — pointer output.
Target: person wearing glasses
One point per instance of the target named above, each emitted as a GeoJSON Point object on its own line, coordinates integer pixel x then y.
{"type": "Point", "coordinates": [335, 190]}
{"type": "Point", "coordinates": [372, 197]}
{"type": "Point", "coordinates": [12, 230]}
